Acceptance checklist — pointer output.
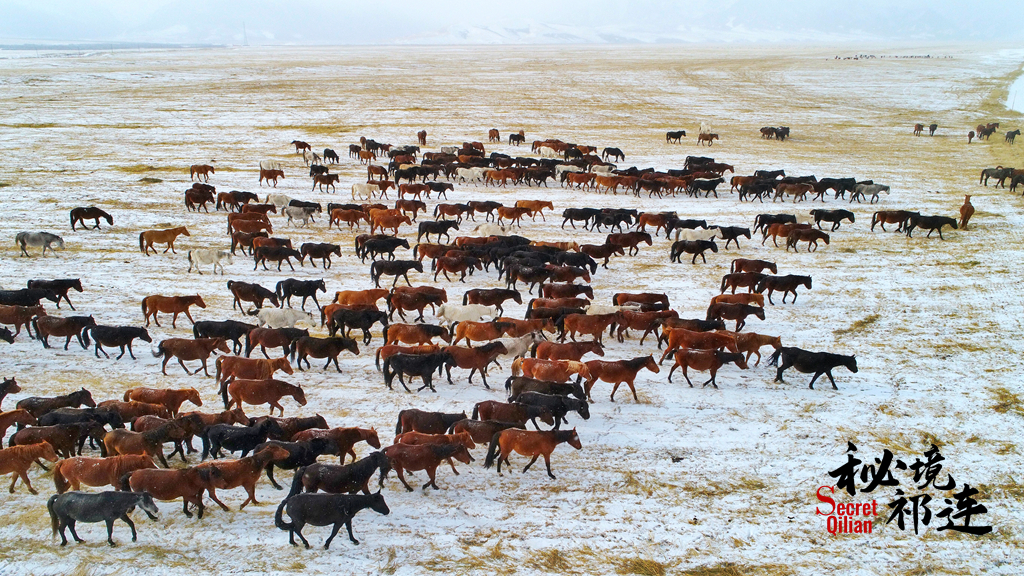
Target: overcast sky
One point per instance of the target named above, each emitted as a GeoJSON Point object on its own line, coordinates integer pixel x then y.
{"type": "Point", "coordinates": [524, 21]}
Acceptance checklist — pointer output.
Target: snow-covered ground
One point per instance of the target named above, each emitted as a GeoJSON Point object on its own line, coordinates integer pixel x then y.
{"type": "Point", "coordinates": [687, 479]}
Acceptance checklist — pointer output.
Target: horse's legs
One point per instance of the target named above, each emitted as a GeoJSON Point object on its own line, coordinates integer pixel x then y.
{"type": "Point", "coordinates": [432, 473]}
{"type": "Point", "coordinates": [183, 367]}
{"type": "Point", "coordinates": [816, 375]}
{"type": "Point", "coordinates": [71, 525]}
{"type": "Point", "coordinates": [163, 368]}
{"type": "Point", "coordinates": [401, 477]}
{"type": "Point", "coordinates": [110, 531]}
{"type": "Point", "coordinates": [527, 467]}
{"type": "Point", "coordinates": [547, 464]}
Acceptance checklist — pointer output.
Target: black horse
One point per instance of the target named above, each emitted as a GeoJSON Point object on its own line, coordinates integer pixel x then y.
{"type": "Point", "coordinates": [234, 438]}
{"type": "Point", "coordinates": [6, 335]}
{"type": "Point", "coordinates": [228, 329]}
{"type": "Point", "coordinates": [99, 415]}
{"type": "Point", "coordinates": [39, 405]}
{"type": "Point", "coordinates": [834, 216]}
{"type": "Point", "coordinates": [816, 363]}
{"type": "Point", "coordinates": [674, 136]}
{"type": "Point", "coordinates": [732, 234]}
{"type": "Point", "coordinates": [80, 215]}
{"type": "Point", "coordinates": [321, 250]}
{"type": "Point", "coordinates": [305, 288]}
{"type": "Point", "coordinates": [438, 228]}
{"type": "Point", "coordinates": [396, 268]}
{"type": "Point", "coordinates": [120, 336]}
{"type": "Point", "coordinates": [341, 479]}
{"type": "Point", "coordinates": [763, 221]}
{"type": "Point", "coordinates": [8, 386]}
{"type": "Point", "coordinates": [347, 320]}
{"type": "Point", "coordinates": [558, 405]}
{"type": "Point", "coordinates": [376, 246]}
{"type": "Point", "coordinates": [27, 296]}
{"type": "Point", "coordinates": [585, 215]}
{"type": "Point", "coordinates": [695, 247]}
{"type": "Point", "coordinates": [422, 366]}
{"type": "Point", "coordinates": [300, 454]}
{"type": "Point", "coordinates": [517, 385]}
{"type": "Point", "coordinates": [59, 287]}
{"type": "Point", "coordinates": [323, 510]}
{"type": "Point", "coordinates": [930, 223]}
{"type": "Point", "coordinates": [71, 507]}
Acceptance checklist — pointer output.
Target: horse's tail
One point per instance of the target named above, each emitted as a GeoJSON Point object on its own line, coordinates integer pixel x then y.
{"type": "Point", "coordinates": [159, 350]}
{"type": "Point", "coordinates": [142, 241]}
{"type": "Point", "coordinates": [723, 284]}
{"type": "Point", "coordinates": [476, 412]}
{"type": "Point", "coordinates": [224, 393]}
{"type": "Point", "coordinates": [145, 311]}
{"type": "Point", "coordinates": [279, 517]}
{"type": "Point", "coordinates": [59, 481]}
{"type": "Point", "coordinates": [398, 426]}
{"type": "Point", "coordinates": [465, 296]}
{"type": "Point", "coordinates": [517, 367]}
{"type": "Point", "coordinates": [508, 384]}
{"type": "Point", "coordinates": [124, 482]}
{"type": "Point", "coordinates": [773, 360]}
{"type": "Point", "coordinates": [35, 326]}
{"type": "Point", "coordinates": [533, 349]}
{"type": "Point", "coordinates": [53, 515]}
{"type": "Point", "coordinates": [377, 359]}
{"type": "Point", "coordinates": [385, 333]}
{"type": "Point", "coordinates": [279, 289]}
{"type": "Point", "coordinates": [85, 332]}
{"type": "Point", "coordinates": [296, 482]}
{"type": "Point", "coordinates": [492, 450]}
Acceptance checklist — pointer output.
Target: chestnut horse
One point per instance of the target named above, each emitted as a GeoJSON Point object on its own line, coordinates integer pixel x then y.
{"type": "Point", "coordinates": [20, 417]}
{"type": "Point", "coordinates": [171, 399]}
{"type": "Point", "coordinates": [424, 457]}
{"type": "Point", "coordinates": [566, 351]}
{"type": "Point", "coordinates": [243, 473]}
{"type": "Point", "coordinates": [188, 484]}
{"type": "Point", "coordinates": [529, 443]}
{"type": "Point", "coordinates": [188, 349]}
{"type": "Point", "coordinates": [71, 473]}
{"type": "Point", "coordinates": [705, 360]}
{"type": "Point", "coordinates": [151, 305]}
{"type": "Point", "coordinates": [344, 439]}
{"type": "Point", "coordinates": [267, 391]}
{"type": "Point", "coordinates": [150, 237]}
{"type": "Point", "coordinates": [551, 370]}
{"type": "Point", "coordinates": [203, 171]}
{"type": "Point", "coordinates": [751, 343]}
{"type": "Point", "coordinates": [618, 372]}
{"type": "Point", "coordinates": [232, 367]}
{"type": "Point", "coordinates": [16, 461]}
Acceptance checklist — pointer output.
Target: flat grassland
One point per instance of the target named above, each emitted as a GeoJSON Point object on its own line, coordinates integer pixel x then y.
{"type": "Point", "coordinates": [685, 481]}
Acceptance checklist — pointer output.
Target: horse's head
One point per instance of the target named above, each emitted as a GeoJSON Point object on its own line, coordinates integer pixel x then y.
{"type": "Point", "coordinates": [650, 364]}
{"type": "Point", "coordinates": [198, 301]}
{"type": "Point", "coordinates": [83, 396]}
{"type": "Point", "coordinates": [299, 396]}
{"type": "Point", "coordinates": [851, 363]}
{"type": "Point", "coordinates": [220, 345]}
{"type": "Point", "coordinates": [370, 436]}
{"type": "Point", "coordinates": [282, 364]}
{"type": "Point", "coordinates": [574, 440]}
{"type": "Point", "coordinates": [759, 312]}
{"type": "Point", "coordinates": [236, 416]}
{"type": "Point", "coordinates": [192, 396]}
{"type": "Point", "coordinates": [10, 386]}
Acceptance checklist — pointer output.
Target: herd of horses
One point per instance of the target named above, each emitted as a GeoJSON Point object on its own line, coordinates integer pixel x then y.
{"type": "Point", "coordinates": [550, 378]}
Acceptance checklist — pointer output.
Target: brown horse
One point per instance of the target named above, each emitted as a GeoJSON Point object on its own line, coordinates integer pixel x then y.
{"type": "Point", "coordinates": [529, 443]}
{"type": "Point", "coordinates": [566, 351]}
{"type": "Point", "coordinates": [16, 461]}
{"type": "Point", "coordinates": [129, 411]}
{"type": "Point", "coordinates": [424, 457]}
{"type": "Point", "coordinates": [741, 298]}
{"type": "Point", "coordinates": [329, 348]}
{"type": "Point", "coordinates": [267, 391]}
{"type": "Point", "coordinates": [243, 473]}
{"type": "Point", "coordinates": [271, 176]}
{"type": "Point", "coordinates": [618, 372]}
{"type": "Point", "coordinates": [421, 439]}
{"type": "Point", "coordinates": [705, 360]}
{"type": "Point", "coordinates": [513, 412]}
{"type": "Point", "coordinates": [70, 474]}
{"type": "Point", "coordinates": [151, 305]}
{"type": "Point", "coordinates": [551, 370]}
{"type": "Point", "coordinates": [708, 138]}
{"type": "Point", "coordinates": [737, 312]}
{"type": "Point", "coordinates": [188, 484]}
{"type": "Point", "coordinates": [19, 316]}
{"type": "Point", "coordinates": [120, 442]}
{"type": "Point", "coordinates": [683, 338]}
{"type": "Point", "coordinates": [592, 325]}
{"type": "Point", "coordinates": [474, 359]}
{"type": "Point", "coordinates": [754, 266]}
{"type": "Point", "coordinates": [416, 333]}
{"type": "Point", "coordinates": [200, 171]}
{"type": "Point", "coordinates": [482, 431]}
{"type": "Point", "coordinates": [171, 399]}
{"type": "Point", "coordinates": [232, 367]}
{"type": "Point", "coordinates": [150, 237]}
{"type": "Point", "coordinates": [66, 439]}
{"type": "Point", "coordinates": [751, 343]}
{"type": "Point", "coordinates": [809, 236]}
{"type": "Point", "coordinates": [344, 439]}
{"type": "Point", "coordinates": [188, 349]}
{"type": "Point", "coordinates": [19, 416]}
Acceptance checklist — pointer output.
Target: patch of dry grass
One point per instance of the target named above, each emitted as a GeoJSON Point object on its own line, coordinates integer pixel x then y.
{"type": "Point", "coordinates": [859, 325]}
{"type": "Point", "coordinates": [1007, 402]}
{"type": "Point", "coordinates": [642, 566]}
{"type": "Point", "coordinates": [733, 569]}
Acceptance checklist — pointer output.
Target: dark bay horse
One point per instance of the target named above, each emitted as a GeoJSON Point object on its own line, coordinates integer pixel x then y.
{"type": "Point", "coordinates": [80, 215]}
{"type": "Point", "coordinates": [323, 510]}
{"type": "Point", "coordinates": [808, 362]}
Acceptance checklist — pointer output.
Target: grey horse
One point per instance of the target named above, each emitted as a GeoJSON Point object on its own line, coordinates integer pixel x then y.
{"type": "Point", "coordinates": [37, 239]}
{"type": "Point", "coordinates": [70, 507]}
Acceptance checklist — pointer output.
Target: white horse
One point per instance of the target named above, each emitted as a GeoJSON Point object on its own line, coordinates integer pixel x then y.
{"type": "Point", "coordinates": [206, 256]}
{"type": "Point", "coordinates": [284, 318]}
{"type": "Point", "coordinates": [449, 149]}
{"type": "Point", "coordinates": [310, 157]}
{"type": "Point", "coordinates": [37, 239]}
{"type": "Point", "coordinates": [303, 213]}
{"type": "Point", "coordinates": [364, 191]}
{"type": "Point", "coordinates": [279, 200]}
{"type": "Point", "coordinates": [518, 347]}
{"type": "Point", "coordinates": [691, 235]}
{"type": "Point", "coordinates": [601, 309]}
{"type": "Point", "coordinates": [271, 165]}
{"type": "Point", "coordinates": [489, 229]}
{"type": "Point", "coordinates": [705, 128]}
{"type": "Point", "coordinates": [452, 313]}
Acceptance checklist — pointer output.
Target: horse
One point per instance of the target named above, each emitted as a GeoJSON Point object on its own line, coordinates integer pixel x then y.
{"type": "Point", "coordinates": [20, 417]}
{"type": "Point", "coordinates": [185, 349]}
{"type": "Point", "coordinates": [966, 211]}
{"type": "Point", "coordinates": [557, 405]}
{"type": "Point", "coordinates": [201, 171]}
{"type": "Point", "coordinates": [918, 128]}
{"type": "Point", "coordinates": [188, 484]}
{"type": "Point", "coordinates": [413, 420]}
{"type": "Point", "coordinates": [528, 443]}
{"type": "Point", "coordinates": [16, 461]}
{"type": "Point", "coordinates": [492, 297]}
{"type": "Point", "coordinates": [120, 442]}
{"type": "Point", "coordinates": [617, 372]}
{"type": "Point", "coordinates": [705, 360]}
{"type": "Point", "coordinates": [151, 305]}
{"type": "Point", "coordinates": [426, 457]}
{"type": "Point", "coordinates": [67, 509]}
{"type": "Point", "coordinates": [343, 439]}
{"type": "Point", "coordinates": [834, 216]}
{"type": "Point", "coordinates": [72, 326]}
{"type": "Point", "coordinates": [37, 239]}
{"type": "Point", "coordinates": [227, 329]}
{"type": "Point", "coordinates": [231, 367]}
{"type": "Point", "coordinates": [321, 250]}
{"type": "Point", "coordinates": [930, 223]}
{"type": "Point", "coordinates": [785, 284]}
{"type": "Point", "coordinates": [19, 316]}
{"type": "Point", "coordinates": [66, 439]}
{"type": "Point", "coordinates": [932, 128]}
{"type": "Point", "coordinates": [421, 366]}
{"type": "Point", "coordinates": [235, 438]}
{"type": "Point", "coordinates": [170, 399]}
{"type": "Point", "coordinates": [349, 319]}
{"type": "Point", "coordinates": [244, 473]}
{"type": "Point", "coordinates": [328, 348]}
{"type": "Point", "coordinates": [674, 136]}
{"type": "Point", "coordinates": [325, 509]}
{"type": "Point", "coordinates": [37, 406]}
{"type": "Point", "coordinates": [150, 237]}
{"type": "Point", "coordinates": [686, 338]}
{"type": "Point", "coordinates": [809, 362]}
{"type": "Point", "coordinates": [396, 268]}
{"type": "Point", "coordinates": [339, 479]}
{"type": "Point", "coordinates": [271, 176]}
{"type": "Point", "coordinates": [80, 215]}
{"type": "Point", "coordinates": [810, 236]}
{"type": "Point", "coordinates": [899, 217]}
{"type": "Point", "coordinates": [71, 473]}
{"type": "Point", "coordinates": [695, 247]}
{"type": "Point", "coordinates": [707, 139]}
{"type": "Point", "coordinates": [474, 359]}
{"type": "Point", "coordinates": [1012, 135]}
